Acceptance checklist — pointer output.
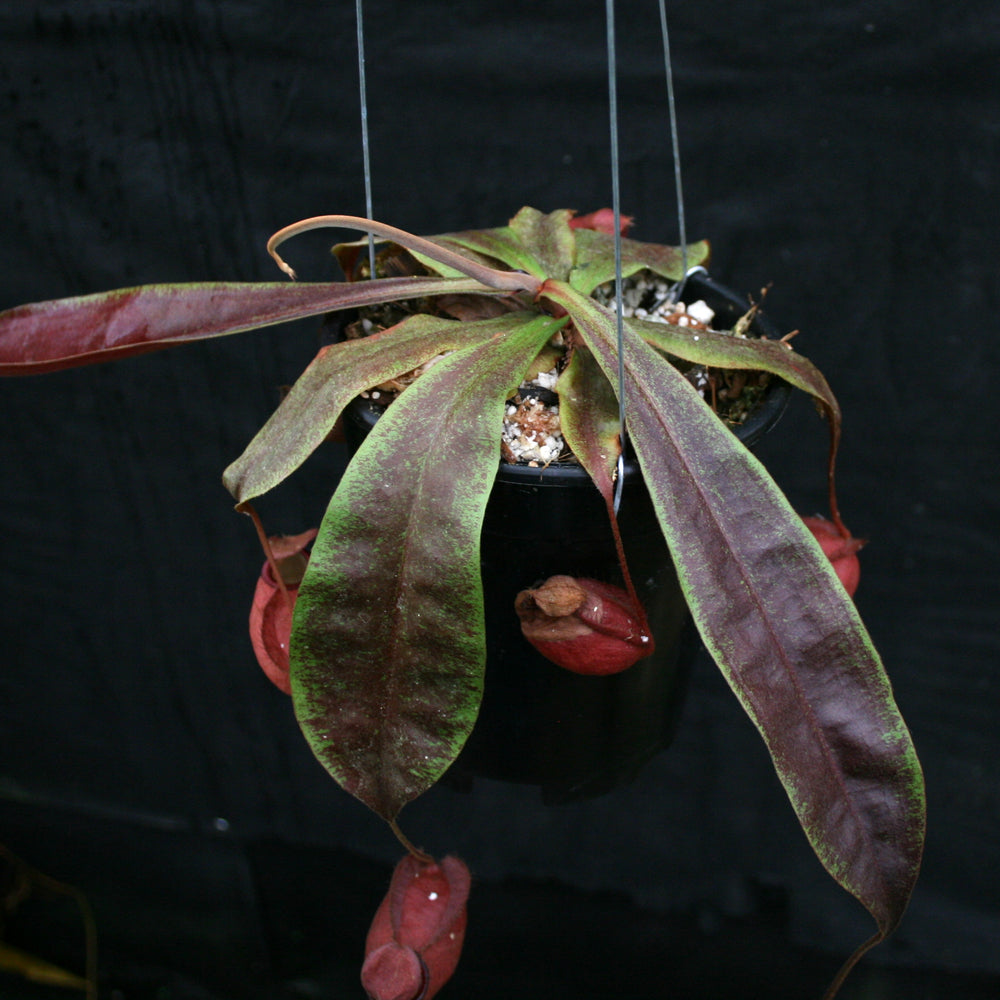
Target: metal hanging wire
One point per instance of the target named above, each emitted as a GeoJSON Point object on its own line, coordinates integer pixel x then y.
{"type": "Point", "coordinates": [675, 292]}
{"type": "Point", "coordinates": [615, 190]}
{"type": "Point", "coordinates": [675, 145]}
{"type": "Point", "coordinates": [617, 217]}
{"type": "Point", "coordinates": [365, 147]}
{"type": "Point", "coordinates": [686, 272]}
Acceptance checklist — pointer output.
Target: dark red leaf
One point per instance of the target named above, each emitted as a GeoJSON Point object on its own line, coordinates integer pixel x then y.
{"type": "Point", "coordinates": [780, 627]}
{"type": "Point", "coordinates": [67, 333]}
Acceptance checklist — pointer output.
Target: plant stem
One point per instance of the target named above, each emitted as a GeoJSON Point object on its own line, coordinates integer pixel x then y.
{"type": "Point", "coordinates": [246, 508]}
{"type": "Point", "coordinates": [405, 841]}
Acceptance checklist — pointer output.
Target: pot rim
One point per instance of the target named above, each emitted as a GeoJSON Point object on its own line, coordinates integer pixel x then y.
{"type": "Point", "coordinates": [761, 420]}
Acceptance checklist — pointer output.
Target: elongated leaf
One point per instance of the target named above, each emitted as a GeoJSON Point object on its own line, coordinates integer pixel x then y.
{"type": "Point", "coordinates": [336, 375]}
{"type": "Point", "coordinates": [545, 246]}
{"type": "Point", "coordinates": [491, 246]}
{"type": "Point", "coordinates": [483, 246]}
{"type": "Point", "coordinates": [722, 350]}
{"type": "Point", "coordinates": [66, 333]}
{"type": "Point", "coordinates": [588, 416]}
{"type": "Point", "coordinates": [779, 625]}
{"type": "Point", "coordinates": [595, 259]}
{"type": "Point", "coordinates": [387, 646]}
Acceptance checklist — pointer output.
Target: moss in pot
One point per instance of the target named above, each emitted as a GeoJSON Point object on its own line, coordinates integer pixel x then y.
{"type": "Point", "coordinates": [387, 646]}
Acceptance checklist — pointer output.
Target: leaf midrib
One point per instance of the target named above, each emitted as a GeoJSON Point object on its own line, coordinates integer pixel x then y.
{"type": "Point", "coordinates": [786, 664]}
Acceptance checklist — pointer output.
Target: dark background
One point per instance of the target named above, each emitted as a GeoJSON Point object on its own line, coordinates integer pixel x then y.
{"type": "Point", "coordinates": [845, 153]}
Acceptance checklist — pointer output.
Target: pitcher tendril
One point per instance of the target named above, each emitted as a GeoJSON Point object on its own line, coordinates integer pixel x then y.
{"type": "Point", "coordinates": [510, 281]}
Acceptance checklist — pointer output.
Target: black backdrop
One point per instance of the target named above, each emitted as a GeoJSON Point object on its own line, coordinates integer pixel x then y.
{"type": "Point", "coordinates": [845, 153]}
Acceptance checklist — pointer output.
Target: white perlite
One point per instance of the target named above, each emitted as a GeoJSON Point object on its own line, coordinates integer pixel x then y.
{"type": "Point", "coordinates": [531, 431]}
{"type": "Point", "coordinates": [531, 426]}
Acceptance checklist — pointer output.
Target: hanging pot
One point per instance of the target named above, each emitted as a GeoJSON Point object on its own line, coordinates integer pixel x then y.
{"type": "Point", "coordinates": [579, 736]}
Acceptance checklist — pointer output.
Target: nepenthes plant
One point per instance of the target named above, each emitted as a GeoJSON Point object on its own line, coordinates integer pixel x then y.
{"type": "Point", "coordinates": [386, 655]}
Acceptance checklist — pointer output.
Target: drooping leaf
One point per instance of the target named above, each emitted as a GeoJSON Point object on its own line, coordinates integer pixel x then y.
{"type": "Point", "coordinates": [387, 644]}
{"type": "Point", "coordinates": [591, 424]}
{"type": "Point", "coordinates": [67, 333]}
{"type": "Point", "coordinates": [336, 375]}
{"type": "Point", "coordinates": [779, 625]}
{"type": "Point", "coordinates": [588, 416]}
{"type": "Point", "coordinates": [595, 259]}
{"type": "Point", "coordinates": [722, 350]}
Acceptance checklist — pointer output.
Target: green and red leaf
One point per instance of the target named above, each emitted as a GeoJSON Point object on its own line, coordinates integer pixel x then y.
{"type": "Point", "coordinates": [538, 244]}
{"type": "Point", "coordinates": [387, 646]}
{"type": "Point", "coordinates": [337, 375]}
{"type": "Point", "coordinates": [779, 625]}
{"type": "Point", "coordinates": [715, 349]}
{"type": "Point", "coordinates": [589, 418]}
{"type": "Point", "coordinates": [550, 238]}
{"type": "Point", "coordinates": [490, 246]}
{"type": "Point", "coordinates": [67, 333]}
{"type": "Point", "coordinates": [595, 259]}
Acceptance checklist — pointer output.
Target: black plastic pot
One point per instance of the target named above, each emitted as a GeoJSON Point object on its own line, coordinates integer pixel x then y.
{"type": "Point", "coordinates": [577, 736]}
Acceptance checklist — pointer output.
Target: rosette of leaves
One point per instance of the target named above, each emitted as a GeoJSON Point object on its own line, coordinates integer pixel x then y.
{"type": "Point", "coordinates": [388, 648]}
